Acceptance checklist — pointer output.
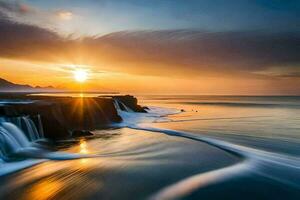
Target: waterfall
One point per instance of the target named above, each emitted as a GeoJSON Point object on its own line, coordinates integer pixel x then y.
{"type": "Point", "coordinates": [17, 133]}
{"type": "Point", "coordinates": [32, 131]}
{"type": "Point", "coordinates": [12, 139]}
{"type": "Point", "coordinates": [30, 128]}
{"type": "Point", "coordinates": [116, 104]}
{"type": "Point", "coordinates": [16, 120]}
{"type": "Point", "coordinates": [40, 126]}
{"type": "Point", "coordinates": [120, 106]}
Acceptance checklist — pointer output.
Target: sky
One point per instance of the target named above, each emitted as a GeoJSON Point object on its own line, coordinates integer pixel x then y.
{"type": "Point", "coordinates": [238, 47]}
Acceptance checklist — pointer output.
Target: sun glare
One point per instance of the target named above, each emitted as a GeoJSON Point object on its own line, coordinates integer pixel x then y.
{"type": "Point", "coordinates": [80, 75]}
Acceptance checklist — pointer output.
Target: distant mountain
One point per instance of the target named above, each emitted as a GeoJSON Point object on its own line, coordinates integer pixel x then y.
{"type": "Point", "coordinates": [7, 86]}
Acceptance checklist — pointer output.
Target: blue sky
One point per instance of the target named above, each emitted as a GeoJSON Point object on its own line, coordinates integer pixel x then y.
{"type": "Point", "coordinates": [104, 16]}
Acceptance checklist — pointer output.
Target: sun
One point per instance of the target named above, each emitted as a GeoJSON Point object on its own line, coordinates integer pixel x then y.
{"type": "Point", "coordinates": [80, 75]}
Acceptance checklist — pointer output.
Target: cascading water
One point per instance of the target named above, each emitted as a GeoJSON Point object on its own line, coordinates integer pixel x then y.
{"type": "Point", "coordinates": [25, 123]}
{"type": "Point", "coordinates": [17, 133]}
{"type": "Point", "coordinates": [40, 127]}
{"type": "Point", "coordinates": [29, 129]}
{"type": "Point", "coordinates": [116, 104]}
{"type": "Point", "coordinates": [12, 139]}
{"type": "Point", "coordinates": [32, 131]}
{"type": "Point", "coordinates": [120, 106]}
{"type": "Point", "coordinates": [17, 144]}
{"type": "Point", "coordinates": [130, 117]}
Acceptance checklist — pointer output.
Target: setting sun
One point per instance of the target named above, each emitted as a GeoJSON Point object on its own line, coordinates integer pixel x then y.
{"type": "Point", "coordinates": [80, 75]}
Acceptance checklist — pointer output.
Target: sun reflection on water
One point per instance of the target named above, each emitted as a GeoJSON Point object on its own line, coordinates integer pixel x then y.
{"type": "Point", "coordinates": [83, 150]}
{"type": "Point", "coordinates": [63, 181]}
{"type": "Point", "coordinates": [83, 147]}
{"type": "Point", "coordinates": [44, 189]}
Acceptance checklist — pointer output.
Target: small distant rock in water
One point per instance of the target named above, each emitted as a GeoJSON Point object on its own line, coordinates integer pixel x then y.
{"type": "Point", "coordinates": [81, 133]}
{"type": "Point", "coordinates": [182, 110]}
{"type": "Point", "coordinates": [196, 110]}
{"type": "Point", "coordinates": [146, 108]}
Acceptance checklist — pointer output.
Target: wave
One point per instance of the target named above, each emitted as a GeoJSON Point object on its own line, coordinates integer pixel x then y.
{"type": "Point", "coordinates": [193, 183]}
{"type": "Point", "coordinates": [277, 167]}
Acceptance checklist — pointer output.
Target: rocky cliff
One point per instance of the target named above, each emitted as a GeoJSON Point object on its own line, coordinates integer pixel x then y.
{"type": "Point", "coordinates": [62, 116]}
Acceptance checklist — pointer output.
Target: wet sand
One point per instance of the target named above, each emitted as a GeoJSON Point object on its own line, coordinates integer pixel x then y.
{"type": "Point", "coordinates": [130, 164]}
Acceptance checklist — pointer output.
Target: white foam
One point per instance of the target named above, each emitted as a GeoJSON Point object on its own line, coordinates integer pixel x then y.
{"type": "Point", "coordinates": [152, 115]}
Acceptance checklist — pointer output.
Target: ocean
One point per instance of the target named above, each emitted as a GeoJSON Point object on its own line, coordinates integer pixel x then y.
{"type": "Point", "coordinates": [269, 123]}
{"type": "Point", "coordinates": [186, 147]}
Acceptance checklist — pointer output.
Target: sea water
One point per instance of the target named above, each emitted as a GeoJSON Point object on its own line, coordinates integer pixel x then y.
{"type": "Point", "coordinates": [271, 123]}
{"type": "Point", "coordinates": [186, 147]}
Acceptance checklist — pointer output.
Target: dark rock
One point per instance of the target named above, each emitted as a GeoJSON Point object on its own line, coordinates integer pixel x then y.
{"type": "Point", "coordinates": [63, 117]}
{"type": "Point", "coordinates": [81, 133]}
{"type": "Point", "coordinates": [60, 115]}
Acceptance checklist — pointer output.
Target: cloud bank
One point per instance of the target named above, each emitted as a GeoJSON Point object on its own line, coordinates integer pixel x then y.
{"type": "Point", "coordinates": [164, 53]}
